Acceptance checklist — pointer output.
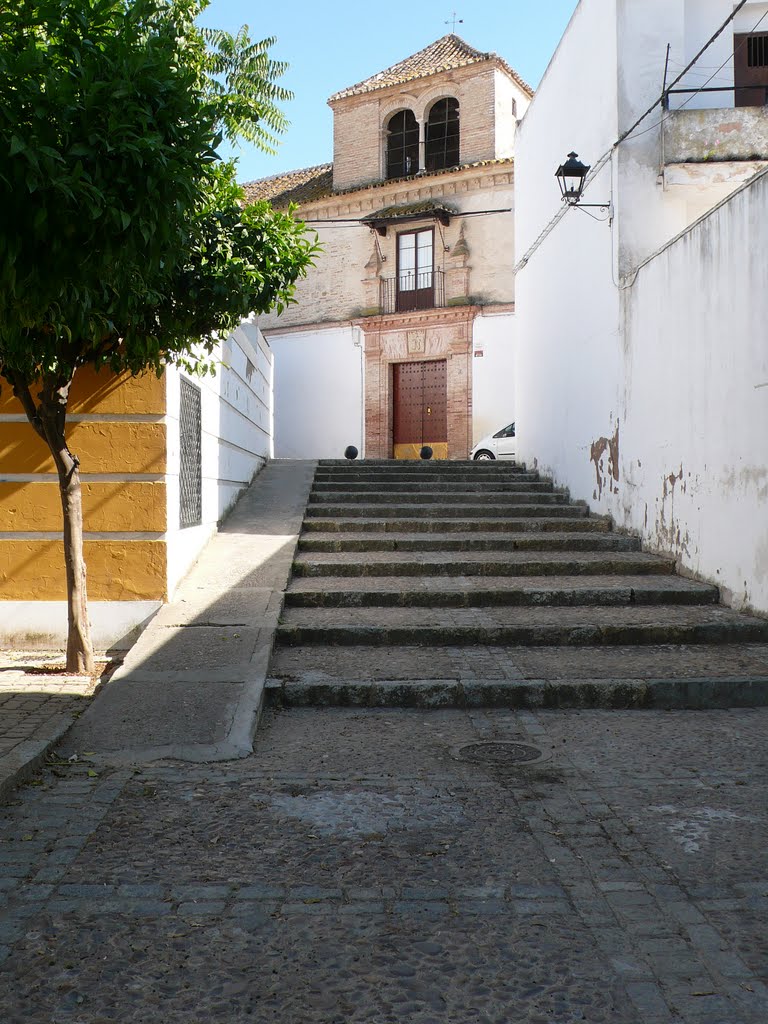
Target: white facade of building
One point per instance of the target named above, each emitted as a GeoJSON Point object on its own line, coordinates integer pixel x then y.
{"type": "Point", "coordinates": [641, 338]}
{"type": "Point", "coordinates": [236, 435]}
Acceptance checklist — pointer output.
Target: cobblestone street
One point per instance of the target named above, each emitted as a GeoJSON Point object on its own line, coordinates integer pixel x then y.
{"type": "Point", "coordinates": [370, 866]}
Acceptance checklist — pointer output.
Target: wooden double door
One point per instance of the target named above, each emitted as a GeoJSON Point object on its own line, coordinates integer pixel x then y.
{"type": "Point", "coordinates": [420, 409]}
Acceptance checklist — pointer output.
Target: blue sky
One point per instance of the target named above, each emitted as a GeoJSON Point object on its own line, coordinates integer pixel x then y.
{"type": "Point", "coordinates": [330, 46]}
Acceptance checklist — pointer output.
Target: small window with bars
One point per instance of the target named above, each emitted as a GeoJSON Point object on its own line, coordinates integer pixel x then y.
{"type": "Point", "coordinates": [757, 51]}
{"type": "Point", "coordinates": [190, 461]}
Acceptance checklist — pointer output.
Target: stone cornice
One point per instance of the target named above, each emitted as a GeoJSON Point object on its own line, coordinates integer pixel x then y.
{"type": "Point", "coordinates": [417, 318]}
{"type": "Point", "coordinates": [373, 197]}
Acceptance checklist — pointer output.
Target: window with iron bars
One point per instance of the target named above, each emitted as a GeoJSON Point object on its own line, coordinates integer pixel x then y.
{"type": "Point", "coordinates": [190, 456]}
{"type": "Point", "coordinates": [442, 135]}
{"type": "Point", "coordinates": [402, 145]}
{"type": "Point", "coordinates": [757, 51]}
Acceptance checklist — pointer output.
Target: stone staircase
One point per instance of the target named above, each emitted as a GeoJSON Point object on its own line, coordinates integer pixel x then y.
{"type": "Point", "coordinates": [478, 584]}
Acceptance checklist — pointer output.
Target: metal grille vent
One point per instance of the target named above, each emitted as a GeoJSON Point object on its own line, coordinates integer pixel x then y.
{"type": "Point", "coordinates": [190, 467]}
{"type": "Point", "coordinates": [757, 51]}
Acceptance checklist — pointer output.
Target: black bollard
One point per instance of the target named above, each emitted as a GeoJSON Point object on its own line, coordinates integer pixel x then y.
{"type": "Point", "coordinates": [426, 452]}
{"type": "Point", "coordinates": [350, 452]}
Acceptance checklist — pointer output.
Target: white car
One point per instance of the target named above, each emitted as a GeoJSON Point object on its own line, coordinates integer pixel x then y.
{"type": "Point", "coordinates": [500, 445]}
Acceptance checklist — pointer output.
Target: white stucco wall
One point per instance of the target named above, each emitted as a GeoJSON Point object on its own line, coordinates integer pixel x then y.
{"type": "Point", "coordinates": [236, 408]}
{"type": "Point", "coordinates": [694, 430]}
{"type": "Point", "coordinates": [573, 365]}
{"type": "Point", "coordinates": [318, 392]}
{"type": "Point", "coordinates": [493, 373]}
{"type": "Point", "coordinates": [566, 302]}
{"type": "Point", "coordinates": [702, 17]}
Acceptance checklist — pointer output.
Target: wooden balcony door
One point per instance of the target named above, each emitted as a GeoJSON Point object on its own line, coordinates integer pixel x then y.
{"type": "Point", "coordinates": [415, 270]}
{"type": "Point", "coordinates": [750, 68]}
{"type": "Point", "coordinates": [420, 409]}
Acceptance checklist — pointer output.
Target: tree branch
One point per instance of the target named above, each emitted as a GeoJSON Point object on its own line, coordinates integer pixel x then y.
{"type": "Point", "coordinates": [24, 395]}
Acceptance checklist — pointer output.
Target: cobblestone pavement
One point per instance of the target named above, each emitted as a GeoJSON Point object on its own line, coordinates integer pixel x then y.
{"type": "Point", "coordinates": [401, 866]}
{"type": "Point", "coordinates": [36, 709]}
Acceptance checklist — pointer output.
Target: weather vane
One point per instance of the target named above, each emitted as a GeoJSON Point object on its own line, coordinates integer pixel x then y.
{"type": "Point", "coordinates": [454, 20]}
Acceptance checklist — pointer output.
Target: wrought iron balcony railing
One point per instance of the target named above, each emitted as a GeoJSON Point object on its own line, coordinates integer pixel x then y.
{"type": "Point", "coordinates": [410, 291]}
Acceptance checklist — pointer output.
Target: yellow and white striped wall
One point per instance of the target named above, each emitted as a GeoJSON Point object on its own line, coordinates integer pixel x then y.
{"type": "Point", "coordinates": [125, 432]}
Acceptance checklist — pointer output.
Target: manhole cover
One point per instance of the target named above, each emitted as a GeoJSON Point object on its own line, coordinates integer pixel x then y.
{"type": "Point", "coordinates": [499, 752]}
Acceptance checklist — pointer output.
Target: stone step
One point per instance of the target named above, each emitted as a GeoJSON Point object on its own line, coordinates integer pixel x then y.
{"type": "Point", "coordinates": [419, 496]}
{"type": "Point", "coordinates": [477, 563]}
{"type": "Point", "coordinates": [418, 466]}
{"type": "Point", "coordinates": [517, 525]}
{"type": "Point", "coordinates": [408, 664]}
{"type": "Point", "coordinates": [433, 487]}
{"type": "Point", "coordinates": [559, 626]}
{"type": "Point", "coordinates": [532, 694]}
{"type": "Point", "coordinates": [453, 511]}
{"type": "Point", "coordinates": [521, 541]}
{"type": "Point", "coordinates": [516, 476]}
{"type": "Point", "coordinates": [501, 591]}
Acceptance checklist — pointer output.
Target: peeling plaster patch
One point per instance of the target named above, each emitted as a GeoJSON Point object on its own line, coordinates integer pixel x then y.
{"type": "Point", "coordinates": [691, 831]}
{"type": "Point", "coordinates": [597, 453]}
{"type": "Point", "coordinates": [669, 535]}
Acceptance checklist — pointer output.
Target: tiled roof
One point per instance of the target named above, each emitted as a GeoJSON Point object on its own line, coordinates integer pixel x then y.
{"type": "Point", "coordinates": [445, 54]}
{"type": "Point", "coordinates": [292, 187]}
{"type": "Point", "coordinates": [404, 211]}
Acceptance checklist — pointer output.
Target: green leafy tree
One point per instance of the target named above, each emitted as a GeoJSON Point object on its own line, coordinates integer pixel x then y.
{"type": "Point", "coordinates": [124, 240]}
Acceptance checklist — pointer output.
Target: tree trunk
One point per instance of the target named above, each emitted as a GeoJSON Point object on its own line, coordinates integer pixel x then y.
{"type": "Point", "coordinates": [49, 419]}
{"type": "Point", "coordinates": [52, 415]}
{"type": "Point", "coordinates": [79, 646]}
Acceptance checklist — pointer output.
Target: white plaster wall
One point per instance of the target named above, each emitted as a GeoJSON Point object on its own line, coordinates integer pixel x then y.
{"type": "Point", "coordinates": [694, 434]}
{"type": "Point", "coordinates": [566, 303]}
{"type": "Point", "coordinates": [648, 214]}
{"type": "Point", "coordinates": [318, 392]}
{"type": "Point", "coordinates": [509, 97]}
{"type": "Point", "coordinates": [753, 17]}
{"type": "Point", "coordinates": [702, 18]}
{"type": "Point", "coordinates": [493, 373]}
{"type": "Point", "coordinates": [491, 241]}
{"type": "Point", "coordinates": [237, 414]}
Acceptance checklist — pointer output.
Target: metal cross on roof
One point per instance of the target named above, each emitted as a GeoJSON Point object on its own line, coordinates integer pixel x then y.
{"type": "Point", "coordinates": [454, 20]}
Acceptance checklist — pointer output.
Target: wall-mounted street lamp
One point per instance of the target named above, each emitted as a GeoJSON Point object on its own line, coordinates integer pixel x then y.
{"type": "Point", "coordinates": [571, 177]}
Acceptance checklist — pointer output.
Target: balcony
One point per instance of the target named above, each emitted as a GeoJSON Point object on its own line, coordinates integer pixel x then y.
{"type": "Point", "coordinates": [410, 291]}
{"type": "Point", "coordinates": [717, 146]}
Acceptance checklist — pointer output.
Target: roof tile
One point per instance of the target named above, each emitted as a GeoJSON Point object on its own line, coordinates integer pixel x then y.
{"type": "Point", "coordinates": [301, 186]}
{"type": "Point", "coordinates": [444, 54]}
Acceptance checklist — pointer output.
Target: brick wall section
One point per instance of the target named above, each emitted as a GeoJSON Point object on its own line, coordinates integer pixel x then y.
{"type": "Point", "coordinates": [413, 337]}
{"type": "Point", "coordinates": [357, 134]}
{"type": "Point", "coordinates": [359, 121]}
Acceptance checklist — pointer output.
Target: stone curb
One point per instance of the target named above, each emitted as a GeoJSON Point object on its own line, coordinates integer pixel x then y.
{"type": "Point", "coordinates": [23, 761]}
{"type": "Point", "coordinates": [537, 694]}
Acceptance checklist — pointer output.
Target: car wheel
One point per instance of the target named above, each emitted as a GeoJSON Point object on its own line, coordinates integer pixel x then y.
{"type": "Point", "coordinates": [484, 456]}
